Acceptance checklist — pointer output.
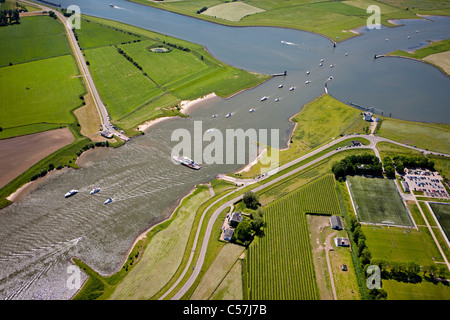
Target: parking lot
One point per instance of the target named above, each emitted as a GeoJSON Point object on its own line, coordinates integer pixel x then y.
{"type": "Point", "coordinates": [427, 181]}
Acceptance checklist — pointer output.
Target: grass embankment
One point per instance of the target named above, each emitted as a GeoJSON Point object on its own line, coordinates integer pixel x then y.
{"type": "Point", "coordinates": [329, 18]}
{"type": "Point", "coordinates": [317, 123]}
{"type": "Point", "coordinates": [437, 53]}
{"type": "Point", "coordinates": [138, 84]}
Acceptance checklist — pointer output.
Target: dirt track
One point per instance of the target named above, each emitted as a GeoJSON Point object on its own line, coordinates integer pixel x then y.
{"type": "Point", "coordinates": [20, 153]}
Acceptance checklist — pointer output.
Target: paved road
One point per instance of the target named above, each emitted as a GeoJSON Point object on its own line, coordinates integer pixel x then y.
{"type": "Point", "coordinates": [90, 85]}
{"type": "Point", "coordinates": [244, 182]}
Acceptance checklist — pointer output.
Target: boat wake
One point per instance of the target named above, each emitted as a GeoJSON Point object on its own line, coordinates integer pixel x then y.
{"type": "Point", "coordinates": [289, 43]}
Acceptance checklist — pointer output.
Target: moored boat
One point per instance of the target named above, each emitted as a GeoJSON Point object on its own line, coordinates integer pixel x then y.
{"type": "Point", "coordinates": [108, 201]}
{"type": "Point", "coordinates": [95, 190]}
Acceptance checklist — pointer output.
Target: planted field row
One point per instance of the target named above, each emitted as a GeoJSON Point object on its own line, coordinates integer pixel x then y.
{"type": "Point", "coordinates": [280, 263]}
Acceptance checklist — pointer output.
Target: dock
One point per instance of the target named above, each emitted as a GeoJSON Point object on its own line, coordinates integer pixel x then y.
{"type": "Point", "coordinates": [279, 74]}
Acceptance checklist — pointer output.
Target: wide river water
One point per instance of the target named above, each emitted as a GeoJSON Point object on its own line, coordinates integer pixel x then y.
{"type": "Point", "coordinates": [39, 233]}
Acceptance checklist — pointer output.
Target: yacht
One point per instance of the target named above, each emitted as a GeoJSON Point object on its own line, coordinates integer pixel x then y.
{"type": "Point", "coordinates": [330, 78]}
{"type": "Point", "coordinates": [214, 115]}
{"type": "Point", "coordinates": [264, 98]}
{"type": "Point", "coordinates": [331, 65]}
{"type": "Point", "coordinates": [291, 88]}
{"type": "Point", "coordinates": [228, 115]}
{"type": "Point", "coordinates": [308, 72]}
{"type": "Point", "coordinates": [280, 86]}
{"type": "Point", "coordinates": [108, 201]}
{"type": "Point", "coordinates": [70, 193]}
{"type": "Point", "coordinates": [321, 64]}
{"type": "Point", "coordinates": [277, 99]}
{"type": "Point", "coordinates": [95, 190]}
{"type": "Point", "coordinates": [251, 110]}
{"type": "Point", "coordinates": [307, 81]}
{"type": "Point", "coordinates": [321, 60]}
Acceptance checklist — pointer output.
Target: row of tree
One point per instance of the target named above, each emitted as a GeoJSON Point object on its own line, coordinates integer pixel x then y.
{"type": "Point", "coordinates": [402, 162]}
{"type": "Point", "coordinates": [357, 164]}
{"type": "Point", "coordinates": [10, 16]}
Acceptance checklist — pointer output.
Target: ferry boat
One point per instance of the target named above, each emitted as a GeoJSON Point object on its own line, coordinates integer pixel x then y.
{"type": "Point", "coordinates": [108, 201]}
{"type": "Point", "coordinates": [70, 193]}
{"type": "Point", "coordinates": [228, 115]}
{"type": "Point", "coordinates": [95, 190]}
{"type": "Point", "coordinates": [251, 110]}
{"type": "Point", "coordinates": [264, 98]}
{"type": "Point", "coordinates": [186, 162]}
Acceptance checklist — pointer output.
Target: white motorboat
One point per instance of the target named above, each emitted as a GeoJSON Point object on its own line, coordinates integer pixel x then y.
{"type": "Point", "coordinates": [264, 98]}
{"type": "Point", "coordinates": [291, 88]}
{"type": "Point", "coordinates": [108, 201]}
{"type": "Point", "coordinates": [280, 86]}
{"type": "Point", "coordinates": [70, 193]}
{"type": "Point", "coordinates": [307, 81]}
{"type": "Point", "coordinates": [228, 115]}
{"type": "Point", "coordinates": [277, 99]}
{"type": "Point", "coordinates": [308, 72]}
{"type": "Point", "coordinates": [321, 64]}
{"type": "Point", "coordinates": [251, 110]}
{"type": "Point", "coordinates": [330, 78]}
{"type": "Point", "coordinates": [331, 65]}
{"type": "Point", "coordinates": [214, 115]}
{"type": "Point", "coordinates": [95, 190]}
{"type": "Point", "coordinates": [321, 60]}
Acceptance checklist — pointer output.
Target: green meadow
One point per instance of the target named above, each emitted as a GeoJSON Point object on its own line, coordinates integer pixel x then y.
{"type": "Point", "coordinates": [35, 38]}
{"type": "Point", "coordinates": [137, 84]}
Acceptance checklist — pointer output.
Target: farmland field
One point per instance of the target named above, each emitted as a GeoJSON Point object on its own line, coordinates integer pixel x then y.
{"type": "Point", "coordinates": [38, 95]}
{"type": "Point", "coordinates": [377, 200]}
{"type": "Point", "coordinates": [34, 38]}
{"type": "Point", "coordinates": [442, 213]}
{"type": "Point", "coordinates": [280, 263]}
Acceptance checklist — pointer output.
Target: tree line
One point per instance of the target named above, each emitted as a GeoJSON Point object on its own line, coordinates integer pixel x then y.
{"type": "Point", "coordinates": [8, 17]}
{"type": "Point", "coordinates": [357, 164]}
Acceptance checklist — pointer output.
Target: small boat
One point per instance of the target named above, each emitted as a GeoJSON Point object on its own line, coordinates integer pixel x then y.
{"type": "Point", "coordinates": [228, 115]}
{"type": "Point", "coordinates": [70, 193]}
{"type": "Point", "coordinates": [331, 65]}
{"type": "Point", "coordinates": [186, 162]}
{"type": "Point", "coordinates": [291, 88]}
{"type": "Point", "coordinates": [308, 72]}
{"type": "Point", "coordinates": [330, 78]}
{"type": "Point", "coordinates": [264, 98]}
{"type": "Point", "coordinates": [280, 86]}
{"type": "Point", "coordinates": [108, 201]}
{"type": "Point", "coordinates": [251, 110]}
{"type": "Point", "coordinates": [210, 130]}
{"type": "Point", "coordinates": [95, 190]}
{"type": "Point", "coordinates": [321, 60]}
{"type": "Point", "coordinates": [307, 81]}
{"type": "Point", "coordinates": [346, 54]}
{"type": "Point", "coordinates": [214, 115]}
{"type": "Point", "coordinates": [277, 99]}
{"type": "Point", "coordinates": [321, 64]}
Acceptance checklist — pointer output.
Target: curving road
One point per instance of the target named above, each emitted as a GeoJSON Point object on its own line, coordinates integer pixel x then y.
{"type": "Point", "coordinates": [245, 182]}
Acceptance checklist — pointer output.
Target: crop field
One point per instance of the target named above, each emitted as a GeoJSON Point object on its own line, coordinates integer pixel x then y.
{"type": "Point", "coordinates": [442, 213]}
{"type": "Point", "coordinates": [35, 38]}
{"type": "Point", "coordinates": [280, 263]}
{"type": "Point", "coordinates": [233, 11]}
{"type": "Point", "coordinates": [377, 200]}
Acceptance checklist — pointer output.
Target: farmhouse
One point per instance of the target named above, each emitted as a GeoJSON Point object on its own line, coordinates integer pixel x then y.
{"type": "Point", "coordinates": [341, 242]}
{"type": "Point", "coordinates": [234, 219]}
{"type": "Point", "coordinates": [336, 223]}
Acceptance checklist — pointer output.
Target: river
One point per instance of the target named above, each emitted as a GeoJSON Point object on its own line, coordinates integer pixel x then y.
{"type": "Point", "coordinates": [41, 231]}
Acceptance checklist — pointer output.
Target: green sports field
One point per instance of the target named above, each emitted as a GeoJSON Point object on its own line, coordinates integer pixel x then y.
{"type": "Point", "coordinates": [442, 213]}
{"type": "Point", "coordinates": [377, 200]}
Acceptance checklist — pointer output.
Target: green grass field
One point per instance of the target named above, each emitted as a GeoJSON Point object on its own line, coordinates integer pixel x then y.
{"type": "Point", "coordinates": [400, 244]}
{"type": "Point", "coordinates": [432, 136]}
{"type": "Point", "coordinates": [377, 201]}
{"type": "Point", "coordinates": [34, 38]}
{"type": "Point", "coordinates": [419, 291]}
{"type": "Point", "coordinates": [38, 95]}
{"type": "Point", "coordinates": [442, 213]}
